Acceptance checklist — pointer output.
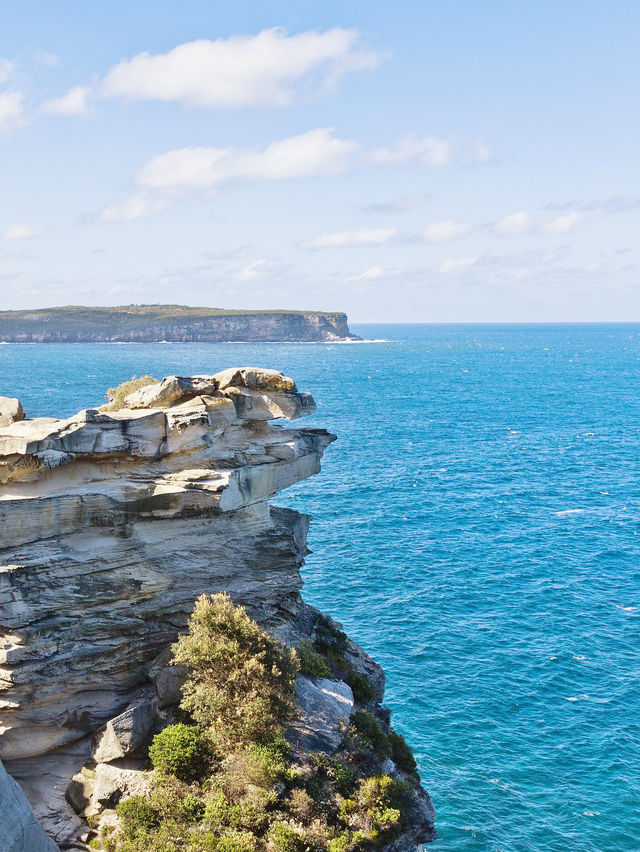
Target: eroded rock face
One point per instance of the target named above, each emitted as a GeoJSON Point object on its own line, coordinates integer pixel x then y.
{"type": "Point", "coordinates": [111, 525]}
{"type": "Point", "coordinates": [11, 410]}
{"type": "Point", "coordinates": [326, 707]}
{"type": "Point", "coordinates": [19, 829]}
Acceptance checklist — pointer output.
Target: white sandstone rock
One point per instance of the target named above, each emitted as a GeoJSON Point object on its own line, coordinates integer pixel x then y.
{"type": "Point", "coordinates": [326, 707]}
{"type": "Point", "coordinates": [11, 410]}
{"type": "Point", "coordinates": [124, 733]}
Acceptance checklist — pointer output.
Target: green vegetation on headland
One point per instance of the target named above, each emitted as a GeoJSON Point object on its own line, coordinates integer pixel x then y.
{"type": "Point", "coordinates": [176, 323]}
{"type": "Point", "coordinates": [224, 777]}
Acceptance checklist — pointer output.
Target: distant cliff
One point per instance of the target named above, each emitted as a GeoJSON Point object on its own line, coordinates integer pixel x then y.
{"type": "Point", "coordinates": [174, 323]}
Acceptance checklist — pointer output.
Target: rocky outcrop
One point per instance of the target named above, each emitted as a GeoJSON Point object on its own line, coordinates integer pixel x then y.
{"type": "Point", "coordinates": [111, 524]}
{"type": "Point", "coordinates": [174, 323]}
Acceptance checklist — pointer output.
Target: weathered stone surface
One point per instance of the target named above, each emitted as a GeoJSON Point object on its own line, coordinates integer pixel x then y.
{"type": "Point", "coordinates": [19, 829]}
{"type": "Point", "coordinates": [11, 410]}
{"type": "Point", "coordinates": [124, 733]}
{"type": "Point", "coordinates": [170, 390]}
{"type": "Point", "coordinates": [326, 707]}
{"type": "Point", "coordinates": [255, 378]}
{"type": "Point", "coordinates": [111, 525]}
{"type": "Point", "coordinates": [91, 791]}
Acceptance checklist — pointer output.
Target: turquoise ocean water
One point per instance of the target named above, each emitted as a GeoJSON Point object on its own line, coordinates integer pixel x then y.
{"type": "Point", "coordinates": [477, 529]}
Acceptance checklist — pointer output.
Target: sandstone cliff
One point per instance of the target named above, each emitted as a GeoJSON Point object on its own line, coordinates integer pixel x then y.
{"type": "Point", "coordinates": [111, 524]}
{"type": "Point", "coordinates": [175, 323]}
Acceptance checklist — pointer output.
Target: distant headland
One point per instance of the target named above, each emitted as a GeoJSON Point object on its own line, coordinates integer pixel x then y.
{"type": "Point", "coordinates": [172, 323]}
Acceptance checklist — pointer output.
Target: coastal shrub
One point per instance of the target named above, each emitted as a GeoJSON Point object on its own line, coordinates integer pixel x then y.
{"type": "Point", "coordinates": [402, 755]}
{"type": "Point", "coordinates": [116, 395]}
{"type": "Point", "coordinates": [136, 813]}
{"type": "Point", "coordinates": [329, 639]}
{"type": "Point", "coordinates": [242, 841]}
{"type": "Point", "coordinates": [179, 750]}
{"type": "Point", "coordinates": [192, 808]}
{"type": "Point", "coordinates": [342, 778]}
{"type": "Point", "coordinates": [312, 664]}
{"type": "Point", "coordinates": [360, 686]}
{"type": "Point", "coordinates": [367, 727]}
{"type": "Point", "coordinates": [379, 808]}
{"type": "Point", "coordinates": [284, 837]}
{"type": "Point", "coordinates": [256, 765]}
{"type": "Point", "coordinates": [241, 681]}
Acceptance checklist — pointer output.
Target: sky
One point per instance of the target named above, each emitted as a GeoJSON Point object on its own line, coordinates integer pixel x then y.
{"type": "Point", "coordinates": [415, 161]}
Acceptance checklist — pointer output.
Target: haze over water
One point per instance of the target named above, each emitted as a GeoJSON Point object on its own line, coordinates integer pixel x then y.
{"type": "Point", "coordinates": [476, 529]}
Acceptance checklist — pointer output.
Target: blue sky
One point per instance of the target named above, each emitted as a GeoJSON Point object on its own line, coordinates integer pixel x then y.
{"type": "Point", "coordinates": [407, 161]}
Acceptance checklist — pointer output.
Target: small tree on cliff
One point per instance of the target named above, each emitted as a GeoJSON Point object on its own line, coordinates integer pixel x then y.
{"type": "Point", "coordinates": [241, 681]}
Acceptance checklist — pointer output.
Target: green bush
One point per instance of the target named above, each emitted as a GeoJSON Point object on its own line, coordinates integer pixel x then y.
{"type": "Point", "coordinates": [136, 813]}
{"type": "Point", "coordinates": [342, 778]}
{"type": "Point", "coordinates": [283, 837]}
{"type": "Point", "coordinates": [241, 682]}
{"type": "Point", "coordinates": [116, 395]}
{"type": "Point", "coordinates": [179, 750]}
{"type": "Point", "coordinates": [360, 686]}
{"type": "Point", "coordinates": [242, 841]}
{"type": "Point", "coordinates": [312, 664]}
{"type": "Point", "coordinates": [329, 638]}
{"type": "Point", "coordinates": [192, 809]}
{"type": "Point", "coordinates": [401, 754]}
{"type": "Point", "coordinates": [381, 807]}
{"type": "Point", "coordinates": [367, 726]}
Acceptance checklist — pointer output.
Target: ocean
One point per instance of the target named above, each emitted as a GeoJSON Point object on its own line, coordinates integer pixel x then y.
{"type": "Point", "coordinates": [476, 529]}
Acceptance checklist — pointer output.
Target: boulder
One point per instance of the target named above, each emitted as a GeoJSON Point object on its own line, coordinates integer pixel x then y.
{"type": "Point", "coordinates": [113, 783]}
{"type": "Point", "coordinates": [11, 410]}
{"type": "Point", "coordinates": [93, 790]}
{"type": "Point", "coordinates": [170, 390]}
{"type": "Point", "coordinates": [326, 707]}
{"type": "Point", "coordinates": [19, 829]}
{"type": "Point", "coordinates": [255, 378]}
{"type": "Point", "coordinates": [123, 734]}
{"type": "Point", "coordinates": [254, 404]}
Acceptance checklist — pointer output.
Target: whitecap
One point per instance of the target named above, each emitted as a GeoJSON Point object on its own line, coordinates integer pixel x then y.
{"type": "Point", "coordinates": [569, 512]}
{"type": "Point", "coordinates": [626, 608]}
{"type": "Point", "coordinates": [576, 697]}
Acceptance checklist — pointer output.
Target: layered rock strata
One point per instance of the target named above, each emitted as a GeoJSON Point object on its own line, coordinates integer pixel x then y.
{"type": "Point", "coordinates": [174, 323]}
{"type": "Point", "coordinates": [111, 524]}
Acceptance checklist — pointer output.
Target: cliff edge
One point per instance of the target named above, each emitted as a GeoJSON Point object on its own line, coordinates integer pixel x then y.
{"type": "Point", "coordinates": [172, 323]}
{"type": "Point", "coordinates": [112, 523]}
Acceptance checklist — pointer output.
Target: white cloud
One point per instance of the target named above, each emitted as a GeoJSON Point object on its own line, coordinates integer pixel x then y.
{"type": "Point", "coordinates": [7, 67]}
{"type": "Point", "coordinates": [362, 237]}
{"type": "Point", "coordinates": [137, 206]}
{"type": "Point", "coordinates": [566, 223]}
{"type": "Point", "coordinates": [515, 225]}
{"type": "Point", "coordinates": [43, 57]}
{"type": "Point", "coordinates": [11, 112]}
{"type": "Point", "coordinates": [73, 103]}
{"type": "Point", "coordinates": [481, 153]}
{"type": "Point", "coordinates": [20, 232]}
{"type": "Point", "coordinates": [268, 69]}
{"type": "Point", "coordinates": [260, 270]}
{"type": "Point", "coordinates": [428, 151]}
{"type": "Point", "coordinates": [442, 232]}
{"type": "Point", "coordinates": [192, 171]}
{"type": "Point", "coordinates": [521, 224]}
{"type": "Point", "coordinates": [317, 152]}
{"type": "Point", "coordinates": [456, 265]}
{"type": "Point", "coordinates": [373, 273]}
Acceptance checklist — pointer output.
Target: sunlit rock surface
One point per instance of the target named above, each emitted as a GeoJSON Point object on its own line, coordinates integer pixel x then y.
{"type": "Point", "coordinates": [112, 523]}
